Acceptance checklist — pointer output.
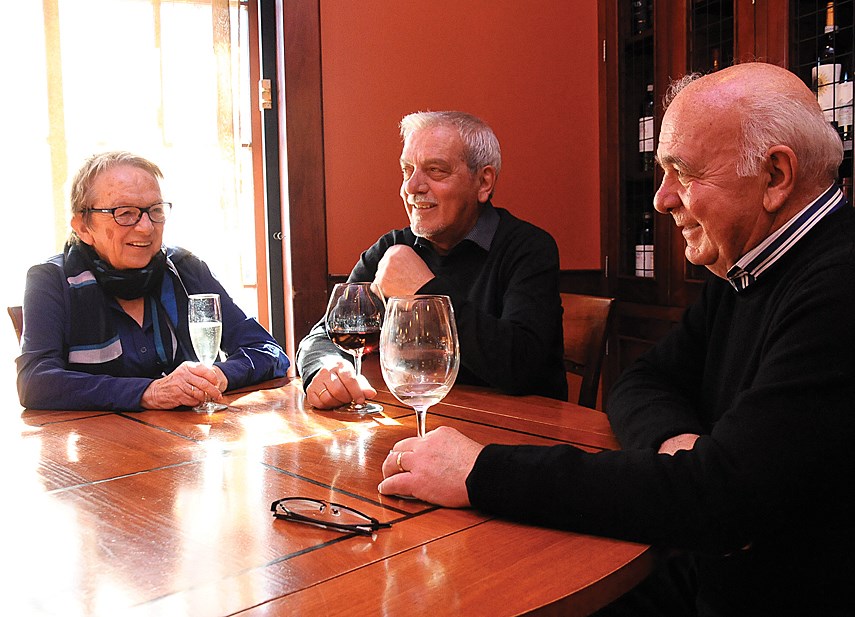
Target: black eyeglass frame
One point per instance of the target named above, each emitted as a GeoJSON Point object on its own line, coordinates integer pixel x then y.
{"type": "Point", "coordinates": [166, 207]}
{"type": "Point", "coordinates": [368, 528]}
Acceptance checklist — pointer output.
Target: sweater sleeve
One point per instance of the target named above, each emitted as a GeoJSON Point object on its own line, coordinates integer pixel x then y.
{"type": "Point", "coordinates": [316, 345]}
{"type": "Point", "coordinates": [774, 469]}
{"type": "Point", "coordinates": [44, 382]}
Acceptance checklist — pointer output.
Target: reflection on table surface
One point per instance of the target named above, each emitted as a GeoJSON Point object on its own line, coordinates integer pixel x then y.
{"type": "Point", "coordinates": [168, 513]}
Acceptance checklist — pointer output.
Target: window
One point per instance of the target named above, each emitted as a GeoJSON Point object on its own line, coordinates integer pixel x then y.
{"type": "Point", "coordinates": [167, 79]}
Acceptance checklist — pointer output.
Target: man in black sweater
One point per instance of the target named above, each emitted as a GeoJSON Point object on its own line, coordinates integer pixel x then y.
{"type": "Point", "coordinates": [737, 427]}
{"type": "Point", "coordinates": [500, 272]}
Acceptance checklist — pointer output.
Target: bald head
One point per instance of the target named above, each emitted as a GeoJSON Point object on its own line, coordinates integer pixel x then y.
{"type": "Point", "coordinates": [773, 107]}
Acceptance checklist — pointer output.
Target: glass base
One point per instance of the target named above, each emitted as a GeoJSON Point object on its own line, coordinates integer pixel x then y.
{"type": "Point", "coordinates": [362, 409]}
{"type": "Point", "coordinates": [210, 407]}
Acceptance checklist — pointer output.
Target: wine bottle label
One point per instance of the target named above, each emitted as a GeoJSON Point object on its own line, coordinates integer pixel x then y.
{"type": "Point", "coordinates": [645, 134]}
{"type": "Point", "coordinates": [844, 103]}
{"type": "Point", "coordinates": [644, 260]}
{"type": "Point", "coordinates": [825, 76]}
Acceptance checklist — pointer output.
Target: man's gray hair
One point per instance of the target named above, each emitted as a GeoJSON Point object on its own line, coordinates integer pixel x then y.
{"type": "Point", "coordinates": [771, 118]}
{"type": "Point", "coordinates": [480, 145]}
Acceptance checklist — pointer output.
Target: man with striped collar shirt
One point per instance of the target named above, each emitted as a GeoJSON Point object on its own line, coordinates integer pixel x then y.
{"type": "Point", "coordinates": [737, 428]}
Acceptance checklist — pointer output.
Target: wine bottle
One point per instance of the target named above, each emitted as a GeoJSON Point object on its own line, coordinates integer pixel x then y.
{"type": "Point", "coordinates": [640, 18]}
{"type": "Point", "coordinates": [826, 73]}
{"type": "Point", "coordinates": [843, 109]}
{"type": "Point", "coordinates": [644, 248]}
{"type": "Point", "coordinates": [645, 131]}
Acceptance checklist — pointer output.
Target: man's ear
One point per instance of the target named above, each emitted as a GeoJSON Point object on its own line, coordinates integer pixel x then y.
{"type": "Point", "coordinates": [486, 182]}
{"type": "Point", "coordinates": [81, 228]}
{"type": "Point", "coordinates": [782, 167]}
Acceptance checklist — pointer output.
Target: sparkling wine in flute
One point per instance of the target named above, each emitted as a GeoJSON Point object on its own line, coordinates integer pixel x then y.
{"type": "Point", "coordinates": [206, 336]}
{"type": "Point", "coordinates": [205, 322]}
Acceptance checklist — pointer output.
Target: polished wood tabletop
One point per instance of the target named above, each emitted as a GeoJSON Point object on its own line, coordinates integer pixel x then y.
{"type": "Point", "coordinates": [168, 513]}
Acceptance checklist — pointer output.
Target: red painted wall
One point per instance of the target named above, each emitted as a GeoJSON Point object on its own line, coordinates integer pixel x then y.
{"type": "Point", "coordinates": [528, 68]}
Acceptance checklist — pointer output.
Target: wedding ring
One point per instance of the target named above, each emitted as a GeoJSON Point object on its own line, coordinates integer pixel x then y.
{"type": "Point", "coordinates": [398, 462]}
{"type": "Point", "coordinates": [321, 393]}
{"type": "Point", "coordinates": [192, 388]}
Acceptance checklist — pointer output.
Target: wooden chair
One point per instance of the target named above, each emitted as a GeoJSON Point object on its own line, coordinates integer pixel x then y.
{"type": "Point", "coordinates": [16, 314]}
{"type": "Point", "coordinates": [586, 327]}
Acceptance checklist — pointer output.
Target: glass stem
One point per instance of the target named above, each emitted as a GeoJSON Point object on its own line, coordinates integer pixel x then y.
{"type": "Point", "coordinates": [421, 415]}
{"type": "Point", "coordinates": [357, 362]}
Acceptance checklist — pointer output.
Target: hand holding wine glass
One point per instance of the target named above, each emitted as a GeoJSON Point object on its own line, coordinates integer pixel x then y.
{"type": "Point", "coordinates": [206, 330]}
{"type": "Point", "coordinates": [419, 351]}
{"type": "Point", "coordinates": [353, 320]}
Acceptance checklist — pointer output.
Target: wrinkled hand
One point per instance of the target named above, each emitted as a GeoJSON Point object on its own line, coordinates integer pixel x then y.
{"type": "Point", "coordinates": [188, 385]}
{"type": "Point", "coordinates": [336, 384]}
{"type": "Point", "coordinates": [686, 441]}
{"type": "Point", "coordinates": [435, 467]}
{"type": "Point", "coordinates": [401, 272]}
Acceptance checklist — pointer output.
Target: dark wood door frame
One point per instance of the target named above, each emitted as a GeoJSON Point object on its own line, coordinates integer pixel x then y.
{"type": "Point", "coordinates": [302, 159]}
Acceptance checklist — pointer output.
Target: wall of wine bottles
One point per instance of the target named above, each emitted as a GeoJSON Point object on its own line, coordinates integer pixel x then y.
{"type": "Point", "coordinates": [821, 53]}
{"type": "Point", "coordinates": [638, 131]}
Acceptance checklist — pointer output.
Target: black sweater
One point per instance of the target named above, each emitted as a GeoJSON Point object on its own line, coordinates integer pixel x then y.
{"type": "Point", "coordinates": [506, 304]}
{"type": "Point", "coordinates": [764, 501]}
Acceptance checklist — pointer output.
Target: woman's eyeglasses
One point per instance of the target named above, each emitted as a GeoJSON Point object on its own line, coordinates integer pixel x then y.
{"type": "Point", "coordinates": [325, 514]}
{"type": "Point", "coordinates": [128, 216]}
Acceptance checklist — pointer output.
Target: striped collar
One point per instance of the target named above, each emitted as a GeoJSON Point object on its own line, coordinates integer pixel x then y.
{"type": "Point", "coordinates": [482, 233]}
{"type": "Point", "coordinates": [760, 258]}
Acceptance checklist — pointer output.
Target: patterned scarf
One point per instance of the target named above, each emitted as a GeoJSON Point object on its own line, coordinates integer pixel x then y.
{"type": "Point", "coordinates": [94, 343]}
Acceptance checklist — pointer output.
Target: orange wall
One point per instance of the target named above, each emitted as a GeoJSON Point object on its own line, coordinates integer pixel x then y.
{"type": "Point", "coordinates": [528, 68]}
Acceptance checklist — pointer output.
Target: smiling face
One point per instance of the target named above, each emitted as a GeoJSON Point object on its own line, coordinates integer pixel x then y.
{"type": "Point", "coordinates": [122, 247]}
{"type": "Point", "coordinates": [721, 215]}
{"type": "Point", "coordinates": [441, 194]}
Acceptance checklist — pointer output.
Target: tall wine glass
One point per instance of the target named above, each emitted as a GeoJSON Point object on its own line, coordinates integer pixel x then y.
{"type": "Point", "coordinates": [419, 351]}
{"type": "Point", "coordinates": [206, 330]}
{"type": "Point", "coordinates": [354, 316]}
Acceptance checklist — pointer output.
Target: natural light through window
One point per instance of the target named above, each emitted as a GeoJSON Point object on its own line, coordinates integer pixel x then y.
{"type": "Point", "coordinates": [165, 79]}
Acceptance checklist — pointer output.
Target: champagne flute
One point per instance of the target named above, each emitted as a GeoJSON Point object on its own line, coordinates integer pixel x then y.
{"type": "Point", "coordinates": [353, 320]}
{"type": "Point", "coordinates": [419, 351]}
{"type": "Point", "coordinates": [206, 330]}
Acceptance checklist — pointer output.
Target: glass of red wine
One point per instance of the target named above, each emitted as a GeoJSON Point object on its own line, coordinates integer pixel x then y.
{"type": "Point", "coordinates": [354, 316]}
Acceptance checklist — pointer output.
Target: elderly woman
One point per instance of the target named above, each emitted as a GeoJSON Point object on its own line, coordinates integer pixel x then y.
{"type": "Point", "coordinates": [106, 321]}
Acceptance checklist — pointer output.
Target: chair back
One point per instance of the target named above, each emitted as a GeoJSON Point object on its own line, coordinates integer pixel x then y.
{"type": "Point", "coordinates": [586, 327]}
{"type": "Point", "coordinates": [16, 314]}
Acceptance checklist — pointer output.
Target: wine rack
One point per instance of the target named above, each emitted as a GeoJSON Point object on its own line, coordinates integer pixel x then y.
{"type": "Point", "coordinates": [822, 42]}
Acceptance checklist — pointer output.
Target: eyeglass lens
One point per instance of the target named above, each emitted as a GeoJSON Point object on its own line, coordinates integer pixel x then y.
{"type": "Point", "coordinates": [130, 215]}
{"type": "Point", "coordinates": [324, 512]}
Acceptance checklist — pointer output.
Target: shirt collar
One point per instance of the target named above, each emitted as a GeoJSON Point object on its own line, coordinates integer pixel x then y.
{"type": "Point", "coordinates": [482, 233]}
{"type": "Point", "coordinates": [756, 261]}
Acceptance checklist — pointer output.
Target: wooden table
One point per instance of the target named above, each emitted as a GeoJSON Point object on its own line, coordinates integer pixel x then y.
{"type": "Point", "coordinates": [168, 513]}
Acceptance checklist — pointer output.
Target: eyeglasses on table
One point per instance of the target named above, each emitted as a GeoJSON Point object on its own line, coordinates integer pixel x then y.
{"type": "Point", "coordinates": [326, 514]}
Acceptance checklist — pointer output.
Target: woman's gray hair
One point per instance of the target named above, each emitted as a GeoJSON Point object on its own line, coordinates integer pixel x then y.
{"type": "Point", "coordinates": [772, 118]}
{"type": "Point", "coordinates": [94, 166]}
{"type": "Point", "coordinates": [81, 185]}
{"type": "Point", "coordinates": [480, 145]}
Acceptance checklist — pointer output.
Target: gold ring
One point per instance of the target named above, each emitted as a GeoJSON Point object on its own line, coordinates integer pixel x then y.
{"type": "Point", "coordinates": [398, 462]}
{"type": "Point", "coordinates": [321, 393]}
{"type": "Point", "coordinates": [192, 388]}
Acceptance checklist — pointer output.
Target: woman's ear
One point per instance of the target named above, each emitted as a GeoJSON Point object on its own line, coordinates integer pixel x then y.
{"type": "Point", "coordinates": [782, 165]}
{"type": "Point", "coordinates": [81, 228]}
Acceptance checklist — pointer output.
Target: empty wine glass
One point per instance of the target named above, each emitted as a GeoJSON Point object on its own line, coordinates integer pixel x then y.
{"type": "Point", "coordinates": [419, 351]}
{"type": "Point", "coordinates": [353, 320]}
{"type": "Point", "coordinates": [206, 330]}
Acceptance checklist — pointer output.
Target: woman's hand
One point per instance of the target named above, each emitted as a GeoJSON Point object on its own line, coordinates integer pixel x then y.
{"type": "Point", "coordinates": [189, 384]}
